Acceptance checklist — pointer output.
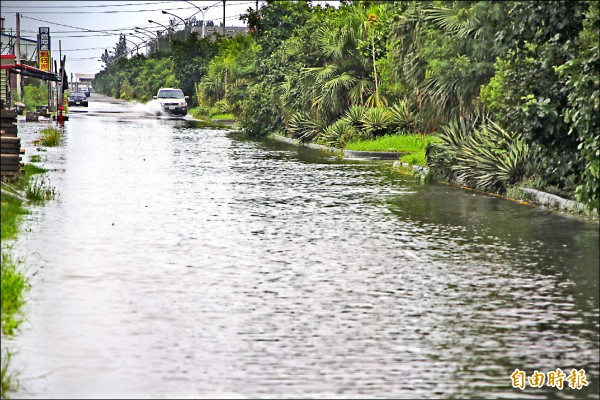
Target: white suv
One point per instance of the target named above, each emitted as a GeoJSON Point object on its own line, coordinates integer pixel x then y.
{"type": "Point", "coordinates": [172, 100]}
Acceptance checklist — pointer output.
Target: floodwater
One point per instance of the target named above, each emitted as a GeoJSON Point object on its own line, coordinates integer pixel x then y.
{"type": "Point", "coordinates": [182, 261]}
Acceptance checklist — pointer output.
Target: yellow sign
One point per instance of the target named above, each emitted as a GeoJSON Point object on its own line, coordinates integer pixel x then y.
{"type": "Point", "coordinates": [45, 60]}
{"type": "Point", "coordinates": [557, 378]}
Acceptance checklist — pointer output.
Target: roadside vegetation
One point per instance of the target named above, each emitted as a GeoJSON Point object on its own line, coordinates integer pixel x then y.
{"type": "Point", "coordinates": [412, 146]}
{"type": "Point", "coordinates": [14, 282]}
{"type": "Point", "coordinates": [50, 137]}
{"type": "Point", "coordinates": [510, 89]}
{"type": "Point", "coordinates": [34, 94]}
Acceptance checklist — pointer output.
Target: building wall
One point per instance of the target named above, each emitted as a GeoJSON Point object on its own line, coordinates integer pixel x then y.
{"type": "Point", "coordinates": [230, 31]}
{"type": "Point", "coordinates": [28, 47]}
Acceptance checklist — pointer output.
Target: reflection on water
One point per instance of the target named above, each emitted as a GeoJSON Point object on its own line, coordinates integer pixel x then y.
{"type": "Point", "coordinates": [190, 262]}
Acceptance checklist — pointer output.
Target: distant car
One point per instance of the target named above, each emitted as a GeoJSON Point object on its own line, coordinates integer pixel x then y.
{"type": "Point", "coordinates": [85, 90]}
{"type": "Point", "coordinates": [78, 99]}
{"type": "Point", "coordinates": [172, 100]}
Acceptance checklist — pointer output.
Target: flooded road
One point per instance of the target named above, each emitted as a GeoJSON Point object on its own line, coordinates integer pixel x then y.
{"type": "Point", "coordinates": [190, 262]}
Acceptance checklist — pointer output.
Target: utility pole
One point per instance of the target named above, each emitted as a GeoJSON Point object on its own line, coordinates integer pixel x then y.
{"type": "Point", "coordinates": [223, 17]}
{"type": "Point", "coordinates": [63, 75]}
{"type": "Point", "coordinates": [18, 55]}
{"type": "Point", "coordinates": [57, 84]}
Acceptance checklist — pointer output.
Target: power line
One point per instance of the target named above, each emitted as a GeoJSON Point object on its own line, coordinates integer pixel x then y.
{"type": "Point", "coordinates": [104, 32]}
{"type": "Point", "coordinates": [56, 23]}
{"type": "Point", "coordinates": [104, 12]}
{"type": "Point", "coordinates": [91, 48]}
{"type": "Point", "coordinates": [61, 32]}
{"type": "Point", "coordinates": [95, 6]}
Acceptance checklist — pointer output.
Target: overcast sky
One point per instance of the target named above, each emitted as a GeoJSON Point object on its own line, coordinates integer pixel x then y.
{"type": "Point", "coordinates": [71, 23]}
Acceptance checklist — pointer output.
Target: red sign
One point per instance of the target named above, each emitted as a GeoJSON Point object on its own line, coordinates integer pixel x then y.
{"type": "Point", "coordinates": [45, 60]}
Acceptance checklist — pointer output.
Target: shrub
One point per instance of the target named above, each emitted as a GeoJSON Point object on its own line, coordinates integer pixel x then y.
{"type": "Point", "coordinates": [50, 137]}
{"type": "Point", "coordinates": [339, 133]}
{"type": "Point", "coordinates": [376, 121]}
{"type": "Point", "coordinates": [34, 95]}
{"type": "Point", "coordinates": [582, 75]}
{"type": "Point", "coordinates": [257, 115]}
{"type": "Point", "coordinates": [403, 118]}
{"type": "Point", "coordinates": [354, 115]}
{"type": "Point", "coordinates": [306, 127]}
{"type": "Point", "coordinates": [222, 106]}
{"type": "Point", "coordinates": [484, 156]}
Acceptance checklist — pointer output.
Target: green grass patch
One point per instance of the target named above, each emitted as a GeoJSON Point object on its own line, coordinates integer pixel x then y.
{"type": "Point", "coordinates": [417, 158]}
{"type": "Point", "coordinates": [223, 116]}
{"type": "Point", "coordinates": [11, 208]}
{"type": "Point", "coordinates": [193, 111]}
{"type": "Point", "coordinates": [38, 190]}
{"type": "Point", "coordinates": [35, 158]}
{"type": "Point", "coordinates": [13, 284]}
{"type": "Point", "coordinates": [413, 146]}
{"type": "Point", "coordinates": [50, 137]}
{"type": "Point", "coordinates": [8, 382]}
{"type": "Point", "coordinates": [12, 211]}
{"type": "Point", "coordinates": [31, 170]}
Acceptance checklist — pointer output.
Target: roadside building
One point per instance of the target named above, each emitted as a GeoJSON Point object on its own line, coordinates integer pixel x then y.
{"type": "Point", "coordinates": [230, 31]}
{"type": "Point", "coordinates": [27, 67]}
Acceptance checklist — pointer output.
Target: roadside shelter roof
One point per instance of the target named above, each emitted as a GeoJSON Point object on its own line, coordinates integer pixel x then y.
{"type": "Point", "coordinates": [26, 70]}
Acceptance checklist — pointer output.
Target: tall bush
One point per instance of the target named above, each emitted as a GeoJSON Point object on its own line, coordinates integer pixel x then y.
{"type": "Point", "coordinates": [582, 74]}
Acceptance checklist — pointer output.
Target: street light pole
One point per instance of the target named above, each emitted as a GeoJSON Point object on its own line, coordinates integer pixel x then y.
{"type": "Point", "coordinates": [137, 46]}
{"type": "Point", "coordinates": [167, 28]}
{"type": "Point", "coordinates": [185, 24]}
{"type": "Point", "coordinates": [143, 41]}
{"type": "Point", "coordinates": [203, 11]}
{"type": "Point", "coordinates": [152, 37]}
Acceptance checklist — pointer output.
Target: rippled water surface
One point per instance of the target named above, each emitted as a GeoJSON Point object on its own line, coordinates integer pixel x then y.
{"type": "Point", "coordinates": [183, 261]}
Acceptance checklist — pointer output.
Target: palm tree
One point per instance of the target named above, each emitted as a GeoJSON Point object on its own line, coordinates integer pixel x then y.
{"type": "Point", "coordinates": [444, 84]}
{"type": "Point", "coordinates": [348, 75]}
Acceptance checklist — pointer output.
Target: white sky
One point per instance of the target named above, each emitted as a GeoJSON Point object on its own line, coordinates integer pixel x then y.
{"type": "Point", "coordinates": [69, 22]}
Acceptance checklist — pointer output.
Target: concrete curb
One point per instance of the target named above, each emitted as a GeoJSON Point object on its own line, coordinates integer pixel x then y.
{"type": "Point", "coordinates": [367, 155]}
{"type": "Point", "coordinates": [309, 145]}
{"type": "Point", "coordinates": [373, 155]}
{"type": "Point", "coordinates": [555, 202]}
{"type": "Point", "coordinates": [224, 121]}
{"type": "Point", "coordinates": [542, 198]}
{"type": "Point", "coordinates": [414, 168]}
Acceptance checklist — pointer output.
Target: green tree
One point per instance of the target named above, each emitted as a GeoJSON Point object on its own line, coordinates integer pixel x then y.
{"type": "Point", "coordinates": [582, 75]}
{"type": "Point", "coordinates": [273, 24]}
{"type": "Point", "coordinates": [191, 58]}
{"type": "Point", "coordinates": [527, 93]}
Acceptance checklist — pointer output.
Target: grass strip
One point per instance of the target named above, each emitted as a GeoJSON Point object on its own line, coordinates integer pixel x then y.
{"type": "Point", "coordinates": [412, 146]}
{"type": "Point", "coordinates": [13, 281]}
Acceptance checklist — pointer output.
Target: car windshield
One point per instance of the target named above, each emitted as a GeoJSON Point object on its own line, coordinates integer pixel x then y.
{"type": "Point", "coordinates": [77, 95]}
{"type": "Point", "coordinates": [170, 94]}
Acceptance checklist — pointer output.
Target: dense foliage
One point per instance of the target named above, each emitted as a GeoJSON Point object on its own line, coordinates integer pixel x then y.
{"type": "Point", "coordinates": [510, 88]}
